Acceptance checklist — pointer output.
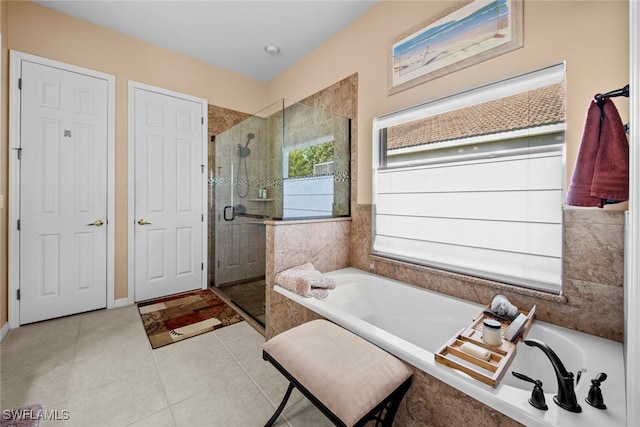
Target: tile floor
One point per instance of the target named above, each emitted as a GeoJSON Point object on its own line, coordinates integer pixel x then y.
{"type": "Point", "coordinates": [99, 369]}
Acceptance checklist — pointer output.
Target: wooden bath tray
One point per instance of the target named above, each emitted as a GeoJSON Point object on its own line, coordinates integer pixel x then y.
{"type": "Point", "coordinates": [489, 372]}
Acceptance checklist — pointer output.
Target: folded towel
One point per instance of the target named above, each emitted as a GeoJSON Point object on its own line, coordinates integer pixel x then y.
{"type": "Point", "coordinates": [306, 281]}
{"type": "Point", "coordinates": [501, 306]}
{"type": "Point", "coordinates": [601, 174]}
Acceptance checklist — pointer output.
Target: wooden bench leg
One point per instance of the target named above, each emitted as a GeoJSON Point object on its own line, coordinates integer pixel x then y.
{"type": "Point", "coordinates": [276, 414]}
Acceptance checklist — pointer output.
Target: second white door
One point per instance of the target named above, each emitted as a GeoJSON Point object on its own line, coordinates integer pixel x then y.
{"type": "Point", "coordinates": [168, 189]}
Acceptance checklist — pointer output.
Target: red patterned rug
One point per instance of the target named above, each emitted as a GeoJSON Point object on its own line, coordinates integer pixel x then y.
{"type": "Point", "coordinates": [178, 317]}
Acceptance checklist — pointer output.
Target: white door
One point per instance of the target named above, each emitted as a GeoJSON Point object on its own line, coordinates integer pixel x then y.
{"type": "Point", "coordinates": [168, 174]}
{"type": "Point", "coordinates": [63, 193]}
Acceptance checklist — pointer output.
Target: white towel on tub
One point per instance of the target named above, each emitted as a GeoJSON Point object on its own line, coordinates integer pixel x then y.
{"type": "Point", "coordinates": [306, 281]}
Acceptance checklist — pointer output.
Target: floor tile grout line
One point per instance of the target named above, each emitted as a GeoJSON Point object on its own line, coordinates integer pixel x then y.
{"type": "Point", "coordinates": [155, 364]}
{"type": "Point", "coordinates": [73, 364]}
{"type": "Point", "coordinates": [275, 405]}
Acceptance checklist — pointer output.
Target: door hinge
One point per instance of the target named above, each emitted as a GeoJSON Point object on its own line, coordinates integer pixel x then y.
{"type": "Point", "coordinates": [18, 225]}
{"type": "Point", "coordinates": [202, 266]}
{"type": "Point", "coordinates": [202, 168]}
{"type": "Point", "coordinates": [202, 120]}
{"type": "Point", "coordinates": [18, 294]}
{"type": "Point", "coordinates": [202, 218]}
{"type": "Point", "coordinates": [218, 263]}
{"type": "Point", "coordinates": [20, 83]}
{"type": "Point", "coordinates": [19, 152]}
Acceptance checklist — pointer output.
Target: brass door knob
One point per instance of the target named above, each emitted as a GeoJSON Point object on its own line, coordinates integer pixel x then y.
{"type": "Point", "coordinates": [97, 223]}
{"type": "Point", "coordinates": [143, 222]}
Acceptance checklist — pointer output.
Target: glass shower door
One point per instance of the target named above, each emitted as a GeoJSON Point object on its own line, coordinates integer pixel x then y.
{"type": "Point", "coordinates": [239, 222]}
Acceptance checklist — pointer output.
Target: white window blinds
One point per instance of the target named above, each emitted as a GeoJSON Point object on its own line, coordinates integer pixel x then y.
{"type": "Point", "coordinates": [487, 206]}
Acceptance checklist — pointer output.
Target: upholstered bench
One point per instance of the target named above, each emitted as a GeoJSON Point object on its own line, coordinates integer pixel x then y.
{"type": "Point", "coordinates": [349, 379]}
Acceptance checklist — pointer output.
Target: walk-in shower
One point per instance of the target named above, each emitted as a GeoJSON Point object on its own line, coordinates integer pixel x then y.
{"type": "Point", "coordinates": [288, 161]}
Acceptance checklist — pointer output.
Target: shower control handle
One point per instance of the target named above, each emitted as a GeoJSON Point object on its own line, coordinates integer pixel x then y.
{"type": "Point", "coordinates": [233, 213]}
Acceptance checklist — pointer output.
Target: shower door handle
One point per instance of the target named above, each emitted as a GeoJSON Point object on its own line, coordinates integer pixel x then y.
{"type": "Point", "coordinates": [233, 213]}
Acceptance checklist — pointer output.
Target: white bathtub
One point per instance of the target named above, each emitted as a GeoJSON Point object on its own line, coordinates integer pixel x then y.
{"type": "Point", "coordinates": [413, 323]}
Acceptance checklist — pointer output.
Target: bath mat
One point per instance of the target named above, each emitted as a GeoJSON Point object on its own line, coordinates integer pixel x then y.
{"type": "Point", "coordinates": [178, 317]}
{"type": "Point", "coordinates": [27, 416]}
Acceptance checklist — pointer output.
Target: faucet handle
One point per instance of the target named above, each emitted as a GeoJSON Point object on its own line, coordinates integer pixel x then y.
{"type": "Point", "coordinates": [594, 397]}
{"type": "Point", "coordinates": [599, 378]}
{"type": "Point", "coordinates": [537, 399]}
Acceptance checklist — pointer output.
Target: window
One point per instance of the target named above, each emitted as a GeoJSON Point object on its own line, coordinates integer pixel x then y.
{"type": "Point", "coordinates": [308, 186]}
{"type": "Point", "coordinates": [313, 160]}
{"type": "Point", "coordinates": [474, 183]}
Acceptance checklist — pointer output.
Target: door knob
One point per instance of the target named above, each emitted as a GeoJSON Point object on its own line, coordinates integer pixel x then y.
{"type": "Point", "coordinates": [97, 223]}
{"type": "Point", "coordinates": [143, 222]}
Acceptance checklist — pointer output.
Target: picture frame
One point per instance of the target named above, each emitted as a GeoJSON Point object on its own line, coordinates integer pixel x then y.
{"type": "Point", "coordinates": [468, 33]}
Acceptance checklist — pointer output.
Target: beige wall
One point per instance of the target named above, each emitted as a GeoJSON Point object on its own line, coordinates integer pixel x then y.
{"type": "Point", "coordinates": [591, 36]}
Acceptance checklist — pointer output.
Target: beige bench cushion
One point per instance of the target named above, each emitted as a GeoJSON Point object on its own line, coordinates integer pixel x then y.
{"type": "Point", "coordinates": [345, 372]}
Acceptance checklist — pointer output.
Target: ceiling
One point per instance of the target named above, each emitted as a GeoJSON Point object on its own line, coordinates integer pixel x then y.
{"type": "Point", "coordinates": [229, 34]}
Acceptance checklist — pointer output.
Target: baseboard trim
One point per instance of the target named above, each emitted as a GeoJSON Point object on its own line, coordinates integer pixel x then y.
{"type": "Point", "coordinates": [122, 302]}
{"type": "Point", "coordinates": [4, 331]}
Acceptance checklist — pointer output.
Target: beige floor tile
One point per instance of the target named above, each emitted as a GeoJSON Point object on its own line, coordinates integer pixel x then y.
{"type": "Point", "coordinates": [88, 374]}
{"type": "Point", "coordinates": [48, 388]}
{"type": "Point", "coordinates": [245, 345]}
{"type": "Point", "coordinates": [23, 360]}
{"type": "Point", "coordinates": [236, 403]}
{"type": "Point", "coordinates": [188, 374]}
{"type": "Point", "coordinates": [43, 333]}
{"type": "Point", "coordinates": [105, 319]}
{"type": "Point", "coordinates": [119, 403]}
{"type": "Point", "coordinates": [163, 418]}
{"type": "Point", "coordinates": [116, 342]}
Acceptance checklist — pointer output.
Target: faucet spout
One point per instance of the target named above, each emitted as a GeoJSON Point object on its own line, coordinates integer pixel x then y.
{"type": "Point", "coordinates": [566, 397]}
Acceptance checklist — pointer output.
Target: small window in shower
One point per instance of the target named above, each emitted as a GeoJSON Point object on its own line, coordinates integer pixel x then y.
{"type": "Point", "coordinates": [314, 160]}
{"type": "Point", "coordinates": [308, 185]}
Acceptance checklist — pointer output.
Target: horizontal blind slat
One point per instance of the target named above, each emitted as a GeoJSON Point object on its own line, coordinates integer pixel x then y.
{"type": "Point", "coordinates": [536, 173]}
{"type": "Point", "coordinates": [534, 206]}
{"type": "Point", "coordinates": [534, 238]}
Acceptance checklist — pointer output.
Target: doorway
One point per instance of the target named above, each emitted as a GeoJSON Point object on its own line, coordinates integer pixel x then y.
{"type": "Point", "coordinates": [61, 168]}
{"type": "Point", "coordinates": [167, 196]}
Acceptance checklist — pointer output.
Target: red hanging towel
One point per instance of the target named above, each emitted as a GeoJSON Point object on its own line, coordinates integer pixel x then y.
{"type": "Point", "coordinates": [601, 174]}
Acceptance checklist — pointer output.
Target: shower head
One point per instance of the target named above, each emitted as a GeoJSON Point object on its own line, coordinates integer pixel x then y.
{"type": "Point", "coordinates": [250, 136]}
{"type": "Point", "coordinates": [243, 152]}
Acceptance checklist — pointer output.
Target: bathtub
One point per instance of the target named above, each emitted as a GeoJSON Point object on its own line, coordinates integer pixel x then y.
{"type": "Point", "coordinates": [413, 323]}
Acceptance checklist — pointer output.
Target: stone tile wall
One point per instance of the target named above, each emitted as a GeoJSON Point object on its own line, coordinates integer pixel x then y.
{"type": "Point", "coordinates": [324, 243]}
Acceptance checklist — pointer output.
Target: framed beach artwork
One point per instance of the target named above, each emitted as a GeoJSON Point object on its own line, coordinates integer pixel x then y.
{"type": "Point", "coordinates": [470, 32]}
